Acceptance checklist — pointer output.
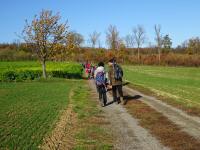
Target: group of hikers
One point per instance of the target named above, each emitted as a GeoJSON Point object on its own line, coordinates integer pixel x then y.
{"type": "Point", "coordinates": [106, 80]}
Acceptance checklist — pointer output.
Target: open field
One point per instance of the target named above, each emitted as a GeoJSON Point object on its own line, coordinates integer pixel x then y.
{"type": "Point", "coordinates": [34, 113]}
{"type": "Point", "coordinates": [29, 70]}
{"type": "Point", "coordinates": [29, 112]}
{"type": "Point", "coordinates": [179, 86]}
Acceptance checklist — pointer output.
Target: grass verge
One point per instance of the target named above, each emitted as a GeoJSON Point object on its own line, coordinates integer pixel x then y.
{"type": "Point", "coordinates": [178, 86]}
{"type": "Point", "coordinates": [191, 110]}
{"type": "Point", "coordinates": [168, 133]}
{"type": "Point", "coordinates": [92, 128]}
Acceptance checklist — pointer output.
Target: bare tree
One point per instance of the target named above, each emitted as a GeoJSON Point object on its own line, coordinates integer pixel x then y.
{"type": "Point", "coordinates": [94, 38]}
{"type": "Point", "coordinates": [139, 37]}
{"type": "Point", "coordinates": [99, 43]}
{"type": "Point", "coordinates": [158, 39]}
{"type": "Point", "coordinates": [112, 37]}
{"type": "Point", "coordinates": [129, 40]}
{"type": "Point", "coordinates": [121, 44]}
{"type": "Point", "coordinates": [74, 39]}
{"type": "Point", "coordinates": [43, 33]}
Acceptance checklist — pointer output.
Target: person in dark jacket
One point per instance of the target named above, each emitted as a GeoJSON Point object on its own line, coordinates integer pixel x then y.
{"type": "Point", "coordinates": [115, 83]}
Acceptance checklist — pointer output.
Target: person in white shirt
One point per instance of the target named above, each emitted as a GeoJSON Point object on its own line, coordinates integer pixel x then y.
{"type": "Point", "coordinates": [99, 76]}
{"type": "Point", "coordinates": [100, 68]}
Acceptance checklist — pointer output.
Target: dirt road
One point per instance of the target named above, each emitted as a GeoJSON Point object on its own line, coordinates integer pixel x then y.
{"type": "Point", "coordinates": [126, 131]}
{"type": "Point", "coordinates": [129, 135]}
{"type": "Point", "coordinates": [187, 123]}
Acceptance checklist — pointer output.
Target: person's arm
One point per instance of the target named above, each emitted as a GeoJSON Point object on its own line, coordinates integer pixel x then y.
{"type": "Point", "coordinates": [122, 70]}
{"type": "Point", "coordinates": [109, 76]}
{"type": "Point", "coordinates": [95, 73]}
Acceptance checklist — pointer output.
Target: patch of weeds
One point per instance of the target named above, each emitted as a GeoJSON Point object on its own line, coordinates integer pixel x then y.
{"type": "Point", "coordinates": [160, 126]}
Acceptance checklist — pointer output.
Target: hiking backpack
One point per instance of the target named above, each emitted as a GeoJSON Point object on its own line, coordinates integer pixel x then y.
{"type": "Point", "coordinates": [118, 72]}
{"type": "Point", "coordinates": [100, 79]}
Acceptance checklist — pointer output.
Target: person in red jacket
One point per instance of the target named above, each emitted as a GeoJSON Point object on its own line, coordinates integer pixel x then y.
{"type": "Point", "coordinates": [87, 68]}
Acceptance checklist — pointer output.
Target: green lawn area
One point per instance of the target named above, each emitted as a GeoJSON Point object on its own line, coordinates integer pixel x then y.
{"type": "Point", "coordinates": [180, 84]}
{"type": "Point", "coordinates": [29, 110]}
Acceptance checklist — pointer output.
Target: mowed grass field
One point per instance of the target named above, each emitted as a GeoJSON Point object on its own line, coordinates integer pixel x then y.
{"type": "Point", "coordinates": [177, 85]}
{"type": "Point", "coordinates": [29, 110]}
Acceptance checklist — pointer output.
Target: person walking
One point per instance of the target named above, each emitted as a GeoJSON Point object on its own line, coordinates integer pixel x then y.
{"type": "Point", "coordinates": [115, 75]}
{"type": "Point", "coordinates": [100, 79]}
{"type": "Point", "coordinates": [87, 69]}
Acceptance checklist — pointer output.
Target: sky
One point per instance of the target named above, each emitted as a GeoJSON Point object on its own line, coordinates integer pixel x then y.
{"type": "Point", "coordinates": [178, 18]}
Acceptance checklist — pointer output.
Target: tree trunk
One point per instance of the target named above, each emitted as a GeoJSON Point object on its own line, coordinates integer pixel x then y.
{"type": "Point", "coordinates": [138, 54]}
{"type": "Point", "coordinates": [44, 68]}
{"type": "Point", "coordinates": [159, 56]}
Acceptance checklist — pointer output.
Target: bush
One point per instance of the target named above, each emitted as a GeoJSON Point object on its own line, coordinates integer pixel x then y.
{"type": "Point", "coordinates": [58, 70]}
{"type": "Point", "coordinates": [28, 75]}
{"type": "Point", "coordinates": [8, 75]}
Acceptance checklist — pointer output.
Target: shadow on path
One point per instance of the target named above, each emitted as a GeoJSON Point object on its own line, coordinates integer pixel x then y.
{"type": "Point", "coordinates": [126, 99]}
{"type": "Point", "coordinates": [109, 103]}
{"type": "Point", "coordinates": [129, 98]}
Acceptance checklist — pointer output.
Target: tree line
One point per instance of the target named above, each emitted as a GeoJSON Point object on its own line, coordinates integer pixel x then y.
{"type": "Point", "coordinates": [47, 38]}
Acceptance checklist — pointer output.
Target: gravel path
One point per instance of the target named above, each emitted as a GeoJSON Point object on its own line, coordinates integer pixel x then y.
{"type": "Point", "coordinates": [129, 135]}
{"type": "Point", "coordinates": [189, 124]}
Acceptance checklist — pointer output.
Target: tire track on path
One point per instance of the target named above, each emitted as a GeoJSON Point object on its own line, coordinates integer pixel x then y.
{"type": "Point", "coordinates": [189, 124]}
{"type": "Point", "coordinates": [129, 134]}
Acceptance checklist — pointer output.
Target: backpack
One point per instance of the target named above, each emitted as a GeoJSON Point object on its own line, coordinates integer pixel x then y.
{"type": "Point", "coordinates": [100, 79]}
{"type": "Point", "coordinates": [118, 72]}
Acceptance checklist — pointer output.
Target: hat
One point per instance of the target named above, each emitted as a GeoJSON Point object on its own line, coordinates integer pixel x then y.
{"type": "Point", "coordinates": [101, 64]}
{"type": "Point", "coordinates": [112, 60]}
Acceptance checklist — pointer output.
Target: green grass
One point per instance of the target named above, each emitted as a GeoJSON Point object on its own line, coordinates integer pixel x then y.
{"type": "Point", "coordinates": [29, 110]}
{"type": "Point", "coordinates": [30, 70]}
{"type": "Point", "coordinates": [32, 64]}
{"type": "Point", "coordinates": [92, 131]}
{"type": "Point", "coordinates": [180, 84]}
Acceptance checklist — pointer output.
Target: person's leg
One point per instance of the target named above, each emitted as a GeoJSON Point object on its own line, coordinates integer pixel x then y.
{"type": "Point", "coordinates": [100, 92]}
{"type": "Point", "coordinates": [104, 95]}
{"type": "Point", "coordinates": [97, 87]}
{"type": "Point", "coordinates": [119, 89]}
{"type": "Point", "coordinates": [114, 92]}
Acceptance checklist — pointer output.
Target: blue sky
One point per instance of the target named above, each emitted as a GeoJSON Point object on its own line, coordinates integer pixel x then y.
{"type": "Point", "coordinates": [178, 18]}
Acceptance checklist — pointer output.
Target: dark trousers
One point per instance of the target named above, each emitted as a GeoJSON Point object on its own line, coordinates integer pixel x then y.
{"type": "Point", "coordinates": [115, 89]}
{"type": "Point", "coordinates": [101, 90]}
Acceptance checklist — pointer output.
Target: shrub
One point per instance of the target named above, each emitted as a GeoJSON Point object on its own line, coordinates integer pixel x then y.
{"type": "Point", "coordinates": [58, 70]}
{"type": "Point", "coordinates": [8, 75]}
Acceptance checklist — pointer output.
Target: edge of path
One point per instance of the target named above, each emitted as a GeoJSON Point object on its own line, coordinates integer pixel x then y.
{"type": "Point", "coordinates": [130, 135]}
{"type": "Point", "coordinates": [189, 124]}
